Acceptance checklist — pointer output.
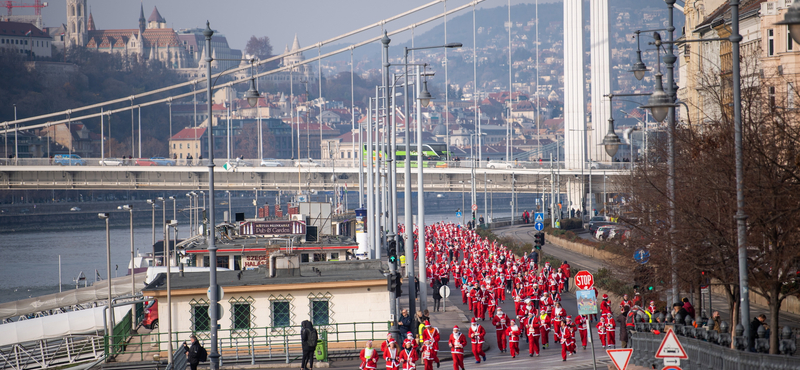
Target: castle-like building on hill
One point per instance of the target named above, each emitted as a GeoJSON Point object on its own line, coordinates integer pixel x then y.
{"type": "Point", "coordinates": [183, 50]}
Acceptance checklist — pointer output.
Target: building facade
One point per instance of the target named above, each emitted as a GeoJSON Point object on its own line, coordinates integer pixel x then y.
{"type": "Point", "coordinates": [25, 40]}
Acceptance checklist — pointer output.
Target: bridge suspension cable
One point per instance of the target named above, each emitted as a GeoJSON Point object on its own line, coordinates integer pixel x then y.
{"type": "Point", "coordinates": [6, 125]}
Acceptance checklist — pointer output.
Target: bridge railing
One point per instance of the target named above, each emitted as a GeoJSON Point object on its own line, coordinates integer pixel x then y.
{"type": "Point", "coordinates": [303, 164]}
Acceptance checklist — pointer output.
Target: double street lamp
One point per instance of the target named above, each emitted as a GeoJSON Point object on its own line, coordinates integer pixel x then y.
{"type": "Point", "coordinates": [104, 216]}
{"type": "Point", "coordinates": [129, 208]}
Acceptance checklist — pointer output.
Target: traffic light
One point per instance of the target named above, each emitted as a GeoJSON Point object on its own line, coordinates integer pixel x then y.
{"type": "Point", "coordinates": [398, 285]}
{"type": "Point", "coordinates": [539, 239]}
{"type": "Point", "coordinates": [392, 247]}
{"type": "Point", "coordinates": [390, 282]}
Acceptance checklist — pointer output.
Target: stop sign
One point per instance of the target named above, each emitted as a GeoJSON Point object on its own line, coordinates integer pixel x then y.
{"type": "Point", "coordinates": [584, 280]}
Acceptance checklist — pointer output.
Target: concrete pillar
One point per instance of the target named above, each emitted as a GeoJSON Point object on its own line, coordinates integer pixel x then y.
{"type": "Point", "coordinates": [575, 192]}
{"type": "Point", "coordinates": [574, 94]}
{"type": "Point", "coordinates": [600, 75]}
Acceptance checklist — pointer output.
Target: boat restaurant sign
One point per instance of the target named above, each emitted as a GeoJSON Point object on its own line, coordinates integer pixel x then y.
{"type": "Point", "coordinates": [273, 228]}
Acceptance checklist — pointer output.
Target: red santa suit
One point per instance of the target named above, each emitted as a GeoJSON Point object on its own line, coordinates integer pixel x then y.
{"type": "Point", "coordinates": [533, 334]}
{"type": "Point", "coordinates": [477, 335]}
{"type": "Point", "coordinates": [566, 338]}
{"type": "Point", "coordinates": [513, 332]}
{"type": "Point", "coordinates": [427, 355]}
{"type": "Point", "coordinates": [432, 333]}
{"type": "Point", "coordinates": [582, 323]}
{"type": "Point", "coordinates": [611, 328]}
{"type": "Point", "coordinates": [501, 322]}
{"type": "Point", "coordinates": [369, 359]}
{"type": "Point", "coordinates": [605, 306]}
{"type": "Point", "coordinates": [457, 343]}
{"type": "Point", "coordinates": [391, 357]}
{"type": "Point", "coordinates": [408, 359]}
{"type": "Point", "coordinates": [544, 327]}
{"type": "Point", "coordinates": [652, 307]}
{"type": "Point", "coordinates": [601, 332]}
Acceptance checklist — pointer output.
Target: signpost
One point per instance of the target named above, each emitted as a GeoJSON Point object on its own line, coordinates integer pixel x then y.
{"type": "Point", "coordinates": [584, 280]}
{"type": "Point", "coordinates": [538, 226]}
{"type": "Point", "coordinates": [641, 256]}
{"type": "Point", "coordinates": [273, 228]}
{"type": "Point", "coordinates": [670, 347]}
{"type": "Point", "coordinates": [538, 216]}
{"type": "Point", "coordinates": [620, 357]}
{"type": "Point", "coordinates": [444, 291]}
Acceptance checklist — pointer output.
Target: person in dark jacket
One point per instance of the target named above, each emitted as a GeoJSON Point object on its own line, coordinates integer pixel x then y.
{"type": "Point", "coordinates": [622, 330]}
{"type": "Point", "coordinates": [308, 337]}
{"type": "Point", "coordinates": [404, 324]}
{"type": "Point", "coordinates": [193, 352]}
{"type": "Point", "coordinates": [757, 322]}
{"type": "Point", "coordinates": [437, 298]}
{"type": "Point", "coordinates": [677, 309]}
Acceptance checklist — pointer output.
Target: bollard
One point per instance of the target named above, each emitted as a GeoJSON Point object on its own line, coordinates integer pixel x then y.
{"type": "Point", "coordinates": [738, 340]}
{"type": "Point", "coordinates": [762, 342]}
{"type": "Point", "coordinates": [252, 351]}
{"type": "Point", "coordinates": [787, 345]}
{"type": "Point", "coordinates": [724, 337]}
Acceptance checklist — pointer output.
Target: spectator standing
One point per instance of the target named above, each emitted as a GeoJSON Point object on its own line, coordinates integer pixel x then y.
{"type": "Point", "coordinates": [621, 324]}
{"type": "Point", "coordinates": [308, 336]}
{"type": "Point", "coordinates": [757, 322]}
{"type": "Point", "coordinates": [194, 353]}
{"type": "Point", "coordinates": [437, 297]}
{"type": "Point", "coordinates": [688, 307]}
{"type": "Point", "coordinates": [404, 323]}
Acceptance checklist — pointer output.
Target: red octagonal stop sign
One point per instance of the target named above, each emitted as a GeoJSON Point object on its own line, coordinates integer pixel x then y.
{"type": "Point", "coordinates": [584, 280]}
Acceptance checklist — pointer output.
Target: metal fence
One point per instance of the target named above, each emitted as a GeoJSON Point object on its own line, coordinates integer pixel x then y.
{"type": "Point", "coordinates": [270, 343]}
{"type": "Point", "coordinates": [43, 354]}
{"type": "Point", "coordinates": [704, 352]}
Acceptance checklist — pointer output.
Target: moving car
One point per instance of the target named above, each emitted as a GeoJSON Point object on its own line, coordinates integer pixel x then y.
{"type": "Point", "coordinates": [69, 160]}
{"type": "Point", "coordinates": [111, 162]}
{"type": "Point", "coordinates": [306, 163]}
{"type": "Point", "coordinates": [500, 164]}
{"type": "Point", "coordinates": [155, 161]}
{"type": "Point", "coordinates": [75, 209]}
{"type": "Point", "coordinates": [270, 162]}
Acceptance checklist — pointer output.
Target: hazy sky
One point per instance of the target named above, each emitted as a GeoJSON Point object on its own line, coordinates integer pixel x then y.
{"type": "Point", "coordinates": [311, 20]}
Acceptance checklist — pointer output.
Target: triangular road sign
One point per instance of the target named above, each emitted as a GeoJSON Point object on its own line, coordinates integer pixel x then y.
{"type": "Point", "coordinates": [670, 347]}
{"type": "Point", "coordinates": [620, 357]}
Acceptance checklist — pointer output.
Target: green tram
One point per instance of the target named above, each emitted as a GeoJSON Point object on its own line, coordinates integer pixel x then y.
{"type": "Point", "coordinates": [433, 155]}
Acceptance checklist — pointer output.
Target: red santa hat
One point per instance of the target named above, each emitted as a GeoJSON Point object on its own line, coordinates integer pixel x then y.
{"type": "Point", "coordinates": [474, 320]}
{"type": "Point", "coordinates": [455, 327]}
{"type": "Point", "coordinates": [409, 334]}
{"type": "Point", "coordinates": [427, 323]}
{"type": "Point", "coordinates": [569, 318]}
{"type": "Point", "coordinates": [605, 296]}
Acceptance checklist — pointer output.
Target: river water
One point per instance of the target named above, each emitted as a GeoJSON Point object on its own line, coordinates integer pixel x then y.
{"type": "Point", "coordinates": [29, 261]}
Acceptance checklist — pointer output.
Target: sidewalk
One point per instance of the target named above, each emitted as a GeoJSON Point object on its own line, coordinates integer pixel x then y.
{"type": "Point", "coordinates": [719, 302]}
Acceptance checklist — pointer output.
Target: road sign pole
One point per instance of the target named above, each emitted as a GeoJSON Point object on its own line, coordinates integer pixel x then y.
{"type": "Point", "coordinates": [591, 342]}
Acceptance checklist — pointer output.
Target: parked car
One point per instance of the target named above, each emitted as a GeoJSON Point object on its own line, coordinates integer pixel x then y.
{"type": "Point", "coordinates": [111, 162]}
{"type": "Point", "coordinates": [150, 320]}
{"type": "Point", "coordinates": [270, 162]}
{"type": "Point", "coordinates": [602, 232]}
{"type": "Point", "coordinates": [75, 209]}
{"type": "Point", "coordinates": [500, 164]}
{"type": "Point", "coordinates": [597, 224]}
{"type": "Point", "coordinates": [593, 219]}
{"type": "Point", "coordinates": [306, 163]}
{"type": "Point", "coordinates": [69, 160]}
{"type": "Point", "coordinates": [155, 161]}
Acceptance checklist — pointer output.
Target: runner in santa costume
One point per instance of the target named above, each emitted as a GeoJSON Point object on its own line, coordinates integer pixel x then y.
{"type": "Point", "coordinates": [457, 343]}
{"type": "Point", "coordinates": [566, 338]}
{"type": "Point", "coordinates": [410, 339]}
{"type": "Point", "coordinates": [369, 357]}
{"type": "Point", "coordinates": [571, 327]}
{"type": "Point", "coordinates": [427, 355]}
{"type": "Point", "coordinates": [483, 302]}
{"type": "Point", "coordinates": [605, 307]}
{"type": "Point", "coordinates": [477, 335]}
{"type": "Point", "coordinates": [624, 302]}
{"type": "Point", "coordinates": [501, 322]}
{"type": "Point", "coordinates": [601, 332]}
{"type": "Point", "coordinates": [544, 327]}
{"type": "Point", "coordinates": [582, 323]}
{"type": "Point", "coordinates": [533, 330]}
{"type": "Point", "coordinates": [513, 332]}
{"type": "Point", "coordinates": [432, 333]}
{"type": "Point", "coordinates": [391, 356]}
{"type": "Point", "coordinates": [385, 344]}
{"type": "Point", "coordinates": [555, 323]}
{"type": "Point", "coordinates": [611, 328]}
{"type": "Point", "coordinates": [408, 357]}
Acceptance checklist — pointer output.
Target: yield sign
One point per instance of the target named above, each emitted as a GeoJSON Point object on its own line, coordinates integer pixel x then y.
{"type": "Point", "coordinates": [620, 357]}
{"type": "Point", "coordinates": [670, 347]}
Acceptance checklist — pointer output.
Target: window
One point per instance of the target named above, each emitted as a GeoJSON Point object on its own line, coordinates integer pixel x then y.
{"type": "Point", "coordinates": [789, 41]}
{"type": "Point", "coordinates": [320, 308]}
{"type": "Point", "coordinates": [281, 311]}
{"type": "Point", "coordinates": [180, 146]}
{"type": "Point", "coordinates": [770, 42]}
{"type": "Point", "coordinates": [319, 313]}
{"type": "Point", "coordinates": [173, 145]}
{"type": "Point", "coordinates": [200, 319]}
{"type": "Point", "coordinates": [771, 91]}
{"type": "Point", "coordinates": [242, 315]}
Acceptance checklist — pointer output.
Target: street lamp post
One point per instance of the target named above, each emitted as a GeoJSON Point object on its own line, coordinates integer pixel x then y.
{"type": "Point", "coordinates": [424, 97]}
{"type": "Point", "coordinates": [168, 256]}
{"type": "Point", "coordinates": [174, 217]}
{"type": "Point", "coordinates": [163, 220]}
{"type": "Point", "coordinates": [191, 215]}
{"type": "Point", "coordinates": [252, 99]}
{"type": "Point", "coordinates": [129, 208]}
{"type": "Point", "coordinates": [153, 205]}
{"type": "Point", "coordinates": [104, 216]}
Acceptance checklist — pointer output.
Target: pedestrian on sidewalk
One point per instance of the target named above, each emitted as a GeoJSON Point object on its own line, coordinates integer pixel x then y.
{"type": "Point", "coordinates": [308, 337]}
{"type": "Point", "coordinates": [404, 324]}
{"type": "Point", "coordinates": [620, 322]}
{"type": "Point", "coordinates": [457, 343]}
